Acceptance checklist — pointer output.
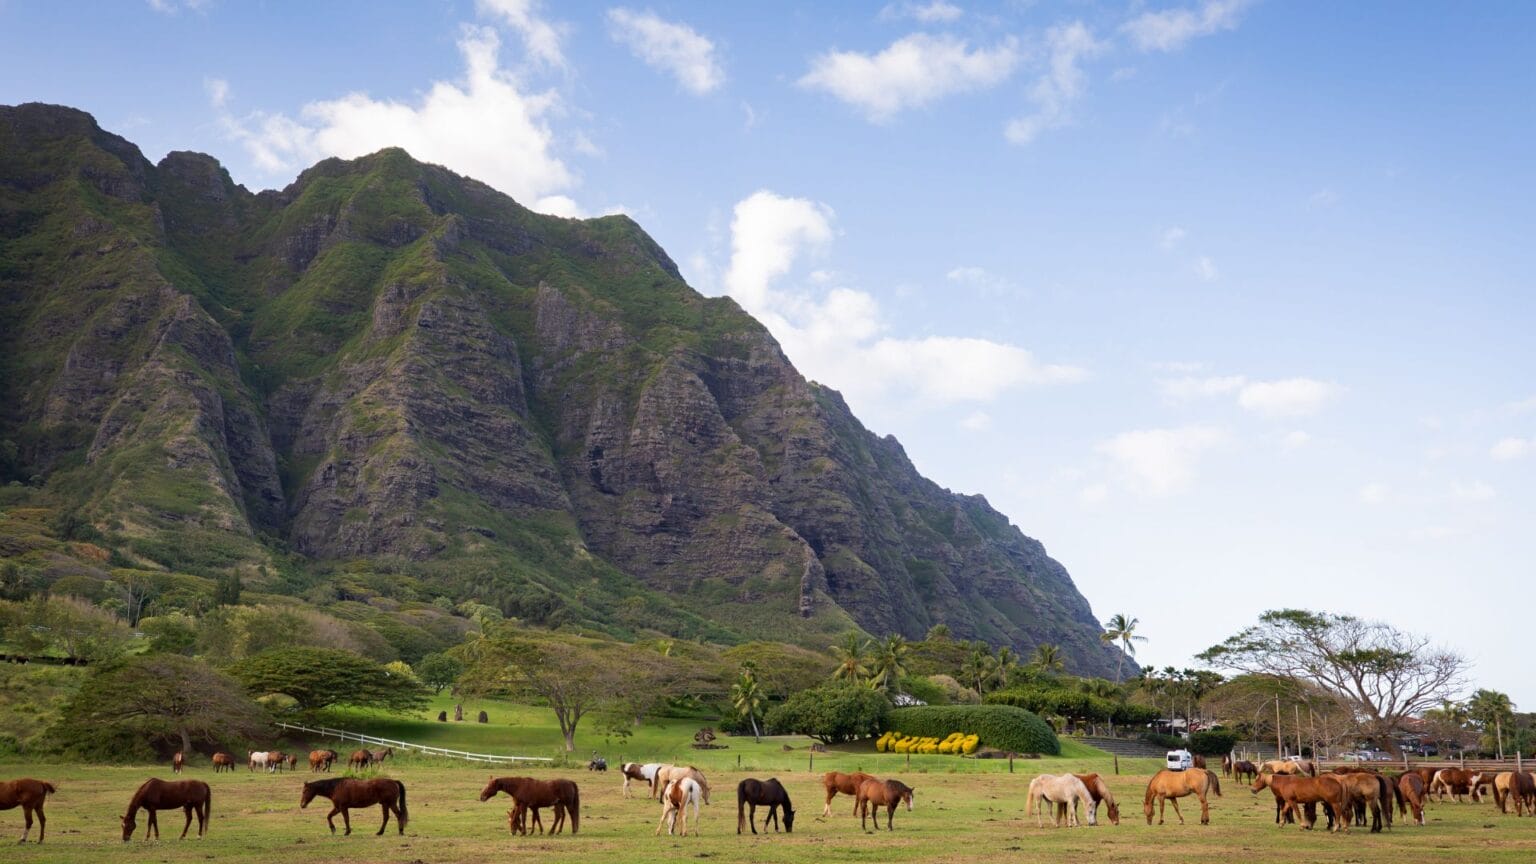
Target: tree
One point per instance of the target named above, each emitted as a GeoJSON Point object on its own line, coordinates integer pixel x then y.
{"type": "Point", "coordinates": [850, 656]}
{"type": "Point", "coordinates": [832, 714]}
{"type": "Point", "coordinates": [68, 625]}
{"type": "Point", "coordinates": [890, 662]}
{"type": "Point", "coordinates": [747, 699]}
{"type": "Point", "coordinates": [1385, 674]}
{"type": "Point", "coordinates": [157, 697]}
{"type": "Point", "coordinates": [139, 587]}
{"type": "Point", "coordinates": [980, 666]}
{"type": "Point", "coordinates": [1122, 629]}
{"type": "Point", "coordinates": [1047, 658]}
{"type": "Point", "coordinates": [317, 678]}
{"type": "Point", "coordinates": [1491, 709]}
{"type": "Point", "coordinates": [1007, 662]}
{"type": "Point", "coordinates": [439, 671]}
{"type": "Point", "coordinates": [781, 669]}
{"type": "Point", "coordinates": [1448, 724]}
{"type": "Point", "coordinates": [226, 591]}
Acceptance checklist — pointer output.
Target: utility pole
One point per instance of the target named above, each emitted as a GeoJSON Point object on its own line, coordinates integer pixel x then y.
{"type": "Point", "coordinates": [1279, 743]}
{"type": "Point", "coordinates": [1297, 706]}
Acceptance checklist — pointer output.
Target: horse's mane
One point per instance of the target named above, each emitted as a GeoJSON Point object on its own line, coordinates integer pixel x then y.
{"type": "Point", "coordinates": [325, 787]}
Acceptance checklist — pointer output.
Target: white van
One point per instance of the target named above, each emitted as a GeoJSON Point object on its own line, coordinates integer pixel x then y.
{"type": "Point", "coordinates": [1180, 760]}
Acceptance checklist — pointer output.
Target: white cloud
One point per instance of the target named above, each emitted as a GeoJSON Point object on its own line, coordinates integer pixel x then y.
{"type": "Point", "coordinates": [171, 7]}
{"type": "Point", "coordinates": [837, 335]}
{"type": "Point", "coordinates": [1063, 83]}
{"type": "Point", "coordinates": [977, 421]}
{"type": "Point", "coordinates": [1522, 406]}
{"type": "Point", "coordinates": [1474, 491]}
{"type": "Point", "coordinates": [935, 12]}
{"type": "Point", "coordinates": [541, 39]}
{"type": "Point", "coordinates": [483, 126]}
{"type": "Point", "coordinates": [1161, 462]}
{"type": "Point", "coordinates": [1374, 493]}
{"type": "Point", "coordinates": [912, 72]}
{"type": "Point", "coordinates": [1296, 439]}
{"type": "Point", "coordinates": [985, 282]}
{"type": "Point", "coordinates": [1189, 387]}
{"type": "Point", "coordinates": [1513, 448]}
{"type": "Point", "coordinates": [1205, 268]}
{"type": "Point", "coordinates": [217, 90]}
{"type": "Point", "coordinates": [1171, 237]}
{"type": "Point", "coordinates": [1292, 397]}
{"type": "Point", "coordinates": [670, 47]}
{"type": "Point", "coordinates": [1171, 29]}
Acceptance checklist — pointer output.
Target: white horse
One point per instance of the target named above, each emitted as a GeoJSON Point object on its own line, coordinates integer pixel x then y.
{"type": "Point", "coordinates": [1061, 789]}
{"type": "Point", "coordinates": [258, 757]}
{"type": "Point", "coordinates": [674, 800]}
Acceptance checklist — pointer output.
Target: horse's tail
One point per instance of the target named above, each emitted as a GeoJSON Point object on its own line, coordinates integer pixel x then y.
{"type": "Point", "coordinates": [405, 814]}
{"type": "Point", "coordinates": [741, 805]}
{"type": "Point", "coordinates": [1215, 782]}
{"type": "Point", "coordinates": [575, 808]}
{"type": "Point", "coordinates": [49, 788]}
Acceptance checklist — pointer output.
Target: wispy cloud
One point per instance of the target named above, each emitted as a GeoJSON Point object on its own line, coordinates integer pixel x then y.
{"type": "Point", "coordinates": [541, 37]}
{"type": "Point", "coordinates": [669, 46]}
{"type": "Point", "coordinates": [934, 12]}
{"type": "Point", "coordinates": [1064, 82]}
{"type": "Point", "coordinates": [1161, 462]}
{"type": "Point", "coordinates": [1513, 448]}
{"type": "Point", "coordinates": [1172, 29]}
{"type": "Point", "coordinates": [912, 72]}
{"type": "Point", "coordinates": [1287, 397]}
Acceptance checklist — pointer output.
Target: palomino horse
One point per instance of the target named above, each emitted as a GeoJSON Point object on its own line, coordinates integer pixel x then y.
{"type": "Point", "coordinates": [29, 795]}
{"type": "Point", "coordinates": [1410, 798]}
{"type": "Point", "coordinates": [528, 793]}
{"type": "Point", "coordinates": [1292, 792]}
{"type": "Point", "coordinates": [346, 793]}
{"type": "Point", "coordinates": [1064, 790]}
{"type": "Point", "coordinates": [223, 762]}
{"type": "Point", "coordinates": [176, 762]}
{"type": "Point", "coordinates": [635, 771]}
{"type": "Point", "coordinates": [1244, 771]}
{"type": "Point", "coordinates": [1166, 786]}
{"type": "Point", "coordinates": [770, 793]}
{"type": "Point", "coordinates": [882, 793]}
{"type": "Point", "coordinates": [675, 799]}
{"type": "Point", "coordinates": [1289, 766]}
{"type": "Point", "coordinates": [191, 796]}
{"type": "Point", "coordinates": [667, 773]}
{"type": "Point", "coordinates": [848, 784]}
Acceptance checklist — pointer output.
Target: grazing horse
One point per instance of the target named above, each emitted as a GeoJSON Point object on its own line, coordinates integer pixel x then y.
{"type": "Point", "coordinates": [1289, 766]}
{"type": "Point", "coordinates": [257, 758]}
{"type": "Point", "coordinates": [1410, 796]}
{"type": "Point", "coordinates": [1197, 761]}
{"type": "Point", "coordinates": [848, 784]}
{"type": "Point", "coordinates": [1244, 771]}
{"type": "Point", "coordinates": [346, 793]}
{"type": "Point", "coordinates": [769, 793]}
{"type": "Point", "coordinates": [1099, 791]}
{"type": "Point", "coordinates": [1505, 785]}
{"type": "Point", "coordinates": [1166, 786]}
{"type": "Point", "coordinates": [1292, 792]}
{"type": "Point", "coordinates": [191, 796]}
{"type": "Point", "coordinates": [223, 762]}
{"type": "Point", "coordinates": [635, 771]}
{"type": "Point", "coordinates": [1456, 781]}
{"type": "Point", "coordinates": [360, 759]}
{"type": "Point", "coordinates": [667, 773]}
{"type": "Point", "coordinates": [531, 794]}
{"type": "Point", "coordinates": [1367, 789]}
{"type": "Point", "coordinates": [675, 799]}
{"type": "Point", "coordinates": [1522, 788]}
{"type": "Point", "coordinates": [176, 762]}
{"type": "Point", "coordinates": [1058, 789]}
{"type": "Point", "coordinates": [321, 760]}
{"type": "Point", "coordinates": [883, 793]}
{"type": "Point", "coordinates": [29, 795]}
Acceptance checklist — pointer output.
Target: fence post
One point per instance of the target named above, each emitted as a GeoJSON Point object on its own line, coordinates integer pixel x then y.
{"type": "Point", "coordinates": [1117, 763]}
{"type": "Point", "coordinates": [1010, 763]}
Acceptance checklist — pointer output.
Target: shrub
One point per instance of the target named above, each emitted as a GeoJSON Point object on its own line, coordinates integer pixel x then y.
{"type": "Point", "coordinates": [1167, 742]}
{"type": "Point", "coordinates": [832, 713]}
{"type": "Point", "coordinates": [1002, 726]}
{"type": "Point", "coordinates": [1214, 742]}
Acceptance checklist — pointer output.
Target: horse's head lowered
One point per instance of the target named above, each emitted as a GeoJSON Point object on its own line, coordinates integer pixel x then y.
{"type": "Point", "coordinates": [128, 828]}
{"type": "Point", "coordinates": [307, 795]}
{"type": "Point", "coordinates": [789, 820]}
{"type": "Point", "coordinates": [1260, 781]}
{"type": "Point", "coordinates": [490, 790]}
{"type": "Point", "coordinates": [1114, 813]}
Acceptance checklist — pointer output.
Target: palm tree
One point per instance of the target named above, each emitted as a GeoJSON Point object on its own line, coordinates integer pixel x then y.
{"type": "Point", "coordinates": [1047, 658]}
{"type": "Point", "coordinates": [850, 659]}
{"type": "Point", "coordinates": [1122, 629]}
{"type": "Point", "coordinates": [980, 666]}
{"type": "Point", "coordinates": [1006, 661]}
{"type": "Point", "coordinates": [747, 699]}
{"type": "Point", "coordinates": [1491, 708]}
{"type": "Point", "coordinates": [890, 661]}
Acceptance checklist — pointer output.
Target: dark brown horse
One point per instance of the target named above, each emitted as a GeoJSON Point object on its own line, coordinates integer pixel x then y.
{"type": "Point", "coordinates": [346, 793]}
{"type": "Point", "coordinates": [769, 793]}
{"type": "Point", "coordinates": [881, 793]}
{"type": "Point", "coordinates": [1244, 771]}
{"type": "Point", "coordinates": [563, 795]}
{"type": "Point", "coordinates": [848, 784]}
{"type": "Point", "coordinates": [377, 756]}
{"type": "Point", "coordinates": [1293, 792]}
{"type": "Point", "coordinates": [191, 796]}
{"type": "Point", "coordinates": [1226, 764]}
{"type": "Point", "coordinates": [177, 762]}
{"type": "Point", "coordinates": [223, 762]}
{"type": "Point", "coordinates": [29, 795]}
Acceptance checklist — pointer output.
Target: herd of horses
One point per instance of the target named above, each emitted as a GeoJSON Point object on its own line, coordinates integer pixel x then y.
{"type": "Point", "coordinates": [1357, 795]}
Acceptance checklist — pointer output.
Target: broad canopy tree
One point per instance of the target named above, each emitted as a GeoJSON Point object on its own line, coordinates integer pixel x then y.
{"type": "Point", "coordinates": [316, 678]}
{"type": "Point", "coordinates": [1385, 674]}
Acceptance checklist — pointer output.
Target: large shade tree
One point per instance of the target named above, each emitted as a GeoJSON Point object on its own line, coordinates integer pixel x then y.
{"type": "Point", "coordinates": [316, 678]}
{"type": "Point", "coordinates": [1385, 674]}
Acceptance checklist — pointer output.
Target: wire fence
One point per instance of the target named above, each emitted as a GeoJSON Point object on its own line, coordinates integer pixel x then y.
{"type": "Point", "coordinates": [410, 747]}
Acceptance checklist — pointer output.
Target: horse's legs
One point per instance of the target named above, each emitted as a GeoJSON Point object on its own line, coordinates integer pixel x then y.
{"type": "Point", "coordinates": [186, 811]}
{"type": "Point", "coordinates": [890, 814]}
{"type": "Point", "coordinates": [153, 823]}
{"type": "Point", "coordinates": [1205, 810]}
{"type": "Point", "coordinates": [346, 819]}
{"type": "Point", "coordinates": [1175, 803]}
{"type": "Point", "coordinates": [26, 812]}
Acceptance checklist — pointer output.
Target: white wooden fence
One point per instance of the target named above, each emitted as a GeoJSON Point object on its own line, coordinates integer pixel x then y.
{"type": "Point", "coordinates": [406, 746]}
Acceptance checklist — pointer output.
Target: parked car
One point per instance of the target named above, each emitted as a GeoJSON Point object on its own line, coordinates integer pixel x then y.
{"type": "Point", "coordinates": [1180, 760]}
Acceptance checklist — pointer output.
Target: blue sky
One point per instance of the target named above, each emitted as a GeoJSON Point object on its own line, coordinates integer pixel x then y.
{"type": "Point", "coordinates": [1229, 303]}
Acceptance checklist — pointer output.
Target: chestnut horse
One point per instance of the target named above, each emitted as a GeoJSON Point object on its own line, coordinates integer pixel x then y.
{"type": "Point", "coordinates": [321, 760]}
{"type": "Point", "coordinates": [29, 795]}
{"type": "Point", "coordinates": [223, 762]}
{"type": "Point", "coordinates": [176, 762]}
{"type": "Point", "coordinates": [1367, 789]}
{"type": "Point", "coordinates": [675, 799]}
{"type": "Point", "coordinates": [191, 796]}
{"type": "Point", "coordinates": [346, 793]}
{"type": "Point", "coordinates": [1166, 786]}
{"type": "Point", "coordinates": [1410, 797]}
{"type": "Point", "coordinates": [359, 759]}
{"type": "Point", "coordinates": [1292, 792]}
{"type": "Point", "coordinates": [881, 793]}
{"type": "Point", "coordinates": [1458, 782]}
{"type": "Point", "coordinates": [768, 793]}
{"type": "Point", "coordinates": [848, 784]}
{"type": "Point", "coordinates": [1099, 791]}
{"type": "Point", "coordinates": [563, 795]}
{"type": "Point", "coordinates": [1244, 771]}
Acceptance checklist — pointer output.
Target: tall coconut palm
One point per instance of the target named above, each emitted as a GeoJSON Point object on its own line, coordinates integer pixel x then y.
{"type": "Point", "coordinates": [1490, 709]}
{"type": "Point", "coordinates": [1007, 661]}
{"type": "Point", "coordinates": [890, 662]}
{"type": "Point", "coordinates": [747, 699]}
{"type": "Point", "coordinates": [1047, 658]}
{"type": "Point", "coordinates": [851, 656]}
{"type": "Point", "coordinates": [1122, 629]}
{"type": "Point", "coordinates": [980, 666]}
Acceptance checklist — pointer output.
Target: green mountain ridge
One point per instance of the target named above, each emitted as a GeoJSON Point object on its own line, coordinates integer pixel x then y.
{"type": "Point", "coordinates": [387, 367]}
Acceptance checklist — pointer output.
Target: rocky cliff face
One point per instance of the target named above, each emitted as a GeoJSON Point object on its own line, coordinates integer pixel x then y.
{"type": "Point", "coordinates": [389, 363]}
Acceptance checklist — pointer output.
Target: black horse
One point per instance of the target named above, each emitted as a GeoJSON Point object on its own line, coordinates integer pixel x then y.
{"type": "Point", "coordinates": [767, 793]}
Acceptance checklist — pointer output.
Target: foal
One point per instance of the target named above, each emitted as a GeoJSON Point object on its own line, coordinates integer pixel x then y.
{"type": "Point", "coordinates": [29, 795]}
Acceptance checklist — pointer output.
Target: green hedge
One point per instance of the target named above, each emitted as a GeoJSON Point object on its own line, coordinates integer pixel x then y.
{"type": "Point", "coordinates": [1003, 727]}
{"type": "Point", "coordinates": [1214, 742]}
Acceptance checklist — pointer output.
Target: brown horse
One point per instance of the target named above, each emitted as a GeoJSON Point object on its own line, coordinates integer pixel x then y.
{"type": "Point", "coordinates": [1166, 786]}
{"type": "Point", "coordinates": [276, 759]}
{"type": "Point", "coordinates": [1410, 787]}
{"type": "Point", "coordinates": [346, 793]}
{"type": "Point", "coordinates": [1369, 790]}
{"type": "Point", "coordinates": [848, 784]}
{"type": "Point", "coordinates": [563, 795]}
{"type": "Point", "coordinates": [1244, 771]}
{"type": "Point", "coordinates": [192, 796]}
{"type": "Point", "coordinates": [1198, 761]}
{"type": "Point", "coordinates": [360, 759]}
{"type": "Point", "coordinates": [29, 795]}
{"type": "Point", "coordinates": [881, 793]}
{"type": "Point", "coordinates": [1099, 791]}
{"type": "Point", "coordinates": [1522, 788]}
{"type": "Point", "coordinates": [1292, 792]}
{"type": "Point", "coordinates": [770, 793]}
{"type": "Point", "coordinates": [223, 762]}
{"type": "Point", "coordinates": [1456, 781]}
{"type": "Point", "coordinates": [377, 756]}
{"type": "Point", "coordinates": [1226, 764]}
{"type": "Point", "coordinates": [321, 760]}
{"type": "Point", "coordinates": [176, 762]}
